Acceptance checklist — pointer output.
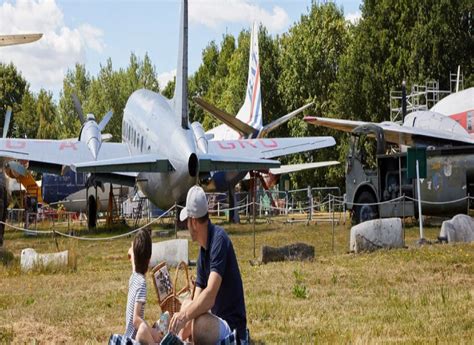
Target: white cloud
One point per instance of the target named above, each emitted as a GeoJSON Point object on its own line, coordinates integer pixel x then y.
{"type": "Point", "coordinates": [212, 13]}
{"type": "Point", "coordinates": [165, 78]}
{"type": "Point", "coordinates": [354, 17]}
{"type": "Point", "coordinates": [45, 62]}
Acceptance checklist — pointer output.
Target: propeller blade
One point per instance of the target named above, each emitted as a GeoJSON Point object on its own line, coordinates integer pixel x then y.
{"type": "Point", "coordinates": [77, 106]}
{"type": "Point", "coordinates": [105, 120]}
{"type": "Point", "coordinates": [6, 124]}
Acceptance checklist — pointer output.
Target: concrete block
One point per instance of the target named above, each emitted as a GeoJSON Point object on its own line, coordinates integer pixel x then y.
{"type": "Point", "coordinates": [458, 229]}
{"type": "Point", "coordinates": [172, 251]}
{"type": "Point", "coordinates": [31, 259]}
{"type": "Point", "coordinates": [376, 234]}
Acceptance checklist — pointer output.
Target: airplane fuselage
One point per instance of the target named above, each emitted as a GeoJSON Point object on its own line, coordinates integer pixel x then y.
{"type": "Point", "coordinates": [151, 126]}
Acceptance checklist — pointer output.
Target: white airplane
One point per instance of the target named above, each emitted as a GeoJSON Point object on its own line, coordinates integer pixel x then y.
{"type": "Point", "coordinates": [160, 150]}
{"type": "Point", "coordinates": [419, 127]}
{"type": "Point", "coordinates": [248, 123]}
{"type": "Point", "coordinates": [460, 107]}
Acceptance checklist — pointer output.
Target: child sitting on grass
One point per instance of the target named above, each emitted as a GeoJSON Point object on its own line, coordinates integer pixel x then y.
{"type": "Point", "coordinates": [136, 327]}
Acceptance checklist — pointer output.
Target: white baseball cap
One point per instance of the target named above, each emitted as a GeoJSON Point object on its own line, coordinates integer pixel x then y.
{"type": "Point", "coordinates": [196, 204]}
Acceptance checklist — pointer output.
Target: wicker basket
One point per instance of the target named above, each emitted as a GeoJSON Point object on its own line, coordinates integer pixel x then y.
{"type": "Point", "coordinates": [169, 299]}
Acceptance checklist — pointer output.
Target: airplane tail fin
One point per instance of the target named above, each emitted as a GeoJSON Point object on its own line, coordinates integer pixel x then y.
{"type": "Point", "coordinates": [251, 111]}
{"type": "Point", "coordinates": [180, 98]}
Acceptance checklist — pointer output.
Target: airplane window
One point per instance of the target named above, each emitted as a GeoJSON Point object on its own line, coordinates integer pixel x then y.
{"type": "Point", "coordinates": [149, 148]}
{"type": "Point", "coordinates": [141, 145]}
{"type": "Point", "coordinates": [138, 141]}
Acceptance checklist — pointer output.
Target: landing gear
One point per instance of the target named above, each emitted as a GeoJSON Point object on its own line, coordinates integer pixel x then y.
{"type": "Point", "coordinates": [233, 212]}
{"type": "Point", "coordinates": [365, 211]}
{"type": "Point", "coordinates": [3, 210]}
{"type": "Point", "coordinates": [91, 212]}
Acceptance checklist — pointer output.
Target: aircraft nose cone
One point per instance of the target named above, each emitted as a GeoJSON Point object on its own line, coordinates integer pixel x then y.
{"type": "Point", "coordinates": [94, 146]}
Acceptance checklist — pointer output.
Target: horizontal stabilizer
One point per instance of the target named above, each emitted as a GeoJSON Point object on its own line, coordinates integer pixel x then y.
{"type": "Point", "coordinates": [268, 148]}
{"type": "Point", "coordinates": [226, 118]}
{"type": "Point", "coordinates": [278, 122]}
{"type": "Point", "coordinates": [208, 163]}
{"type": "Point", "coordinates": [142, 163]}
{"type": "Point", "coordinates": [291, 168]}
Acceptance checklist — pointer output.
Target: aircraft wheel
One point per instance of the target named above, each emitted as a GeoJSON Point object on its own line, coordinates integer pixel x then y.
{"type": "Point", "coordinates": [3, 211]}
{"type": "Point", "coordinates": [364, 213]}
{"type": "Point", "coordinates": [92, 213]}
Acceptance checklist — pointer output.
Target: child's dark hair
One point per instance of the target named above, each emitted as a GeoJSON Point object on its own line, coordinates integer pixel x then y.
{"type": "Point", "coordinates": [142, 251]}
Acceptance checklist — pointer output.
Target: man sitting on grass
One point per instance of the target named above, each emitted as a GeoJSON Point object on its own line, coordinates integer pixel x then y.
{"type": "Point", "coordinates": [136, 327]}
{"type": "Point", "coordinates": [218, 306]}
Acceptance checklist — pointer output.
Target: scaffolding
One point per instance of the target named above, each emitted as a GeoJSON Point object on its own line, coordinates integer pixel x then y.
{"type": "Point", "coordinates": [423, 96]}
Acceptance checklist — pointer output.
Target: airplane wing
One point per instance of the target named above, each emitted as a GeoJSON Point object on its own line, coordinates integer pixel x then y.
{"type": "Point", "coordinates": [228, 119]}
{"type": "Point", "coordinates": [278, 122]}
{"type": "Point", "coordinates": [409, 133]}
{"type": "Point", "coordinates": [339, 124]}
{"type": "Point", "coordinates": [208, 163]}
{"type": "Point", "coordinates": [267, 148]}
{"type": "Point", "coordinates": [240, 126]}
{"type": "Point", "coordinates": [291, 168]}
{"type": "Point", "coordinates": [140, 163]}
{"type": "Point", "coordinates": [8, 40]}
{"type": "Point", "coordinates": [52, 155]}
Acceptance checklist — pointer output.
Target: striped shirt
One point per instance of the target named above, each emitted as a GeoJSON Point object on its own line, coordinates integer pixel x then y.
{"type": "Point", "coordinates": [136, 293]}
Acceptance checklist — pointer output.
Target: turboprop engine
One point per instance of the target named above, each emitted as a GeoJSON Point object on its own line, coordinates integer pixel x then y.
{"type": "Point", "coordinates": [91, 132]}
{"type": "Point", "coordinates": [200, 135]}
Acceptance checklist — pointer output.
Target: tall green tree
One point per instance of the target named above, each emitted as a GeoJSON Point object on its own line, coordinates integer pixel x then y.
{"type": "Point", "coordinates": [48, 120]}
{"type": "Point", "coordinates": [76, 82]}
{"type": "Point", "coordinates": [26, 120]}
{"type": "Point", "coordinates": [12, 88]}
{"type": "Point", "coordinates": [310, 54]}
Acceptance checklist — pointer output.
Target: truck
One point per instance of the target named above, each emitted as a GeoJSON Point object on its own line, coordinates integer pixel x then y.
{"type": "Point", "coordinates": [378, 184]}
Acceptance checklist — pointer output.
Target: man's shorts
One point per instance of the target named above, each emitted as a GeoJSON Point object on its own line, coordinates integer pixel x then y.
{"type": "Point", "coordinates": [224, 329]}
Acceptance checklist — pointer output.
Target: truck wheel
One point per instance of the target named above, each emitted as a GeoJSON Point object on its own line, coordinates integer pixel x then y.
{"type": "Point", "coordinates": [364, 213]}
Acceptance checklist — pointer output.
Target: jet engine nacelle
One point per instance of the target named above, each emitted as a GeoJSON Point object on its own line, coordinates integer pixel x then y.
{"type": "Point", "coordinates": [91, 135]}
{"type": "Point", "coordinates": [200, 136]}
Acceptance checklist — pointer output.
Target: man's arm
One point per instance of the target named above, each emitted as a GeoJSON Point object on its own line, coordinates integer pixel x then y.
{"type": "Point", "coordinates": [201, 304]}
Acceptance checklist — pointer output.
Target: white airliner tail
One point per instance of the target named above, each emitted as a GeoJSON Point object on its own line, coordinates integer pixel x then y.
{"type": "Point", "coordinates": [251, 111]}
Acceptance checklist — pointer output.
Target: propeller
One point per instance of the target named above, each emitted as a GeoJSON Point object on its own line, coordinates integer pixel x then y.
{"type": "Point", "coordinates": [91, 132]}
{"type": "Point", "coordinates": [77, 106]}
{"type": "Point", "coordinates": [105, 120]}
{"type": "Point", "coordinates": [6, 124]}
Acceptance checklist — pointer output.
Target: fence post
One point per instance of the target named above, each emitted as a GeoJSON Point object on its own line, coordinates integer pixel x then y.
{"type": "Point", "coordinates": [331, 198]}
{"type": "Point", "coordinates": [176, 220]}
{"type": "Point", "coordinates": [468, 203]}
{"type": "Point", "coordinates": [344, 208]}
{"type": "Point", "coordinates": [403, 213]}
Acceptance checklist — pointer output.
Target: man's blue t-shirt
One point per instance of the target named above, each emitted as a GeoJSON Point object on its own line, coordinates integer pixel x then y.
{"type": "Point", "coordinates": [220, 258]}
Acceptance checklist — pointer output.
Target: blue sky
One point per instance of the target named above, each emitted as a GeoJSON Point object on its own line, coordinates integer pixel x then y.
{"type": "Point", "coordinates": [89, 32]}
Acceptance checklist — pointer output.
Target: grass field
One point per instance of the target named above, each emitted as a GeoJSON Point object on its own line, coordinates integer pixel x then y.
{"type": "Point", "coordinates": [412, 295]}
